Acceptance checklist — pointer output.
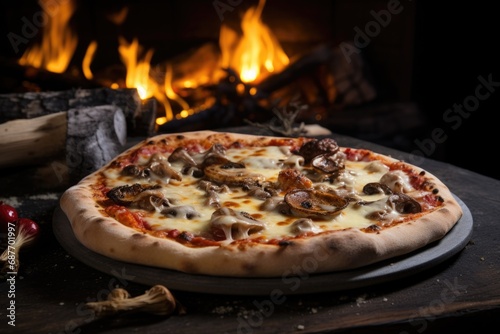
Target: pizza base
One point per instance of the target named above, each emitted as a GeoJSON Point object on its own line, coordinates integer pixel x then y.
{"type": "Point", "coordinates": [326, 252]}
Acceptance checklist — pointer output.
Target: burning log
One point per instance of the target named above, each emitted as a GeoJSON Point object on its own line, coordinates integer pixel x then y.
{"type": "Point", "coordinates": [233, 105]}
{"type": "Point", "coordinates": [88, 137]}
{"type": "Point", "coordinates": [324, 79]}
{"type": "Point", "coordinates": [35, 104]}
{"type": "Point", "coordinates": [305, 65]}
{"type": "Point", "coordinates": [27, 78]}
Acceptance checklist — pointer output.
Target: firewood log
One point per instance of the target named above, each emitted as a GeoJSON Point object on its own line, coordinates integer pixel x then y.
{"type": "Point", "coordinates": [88, 137]}
{"type": "Point", "coordinates": [35, 104]}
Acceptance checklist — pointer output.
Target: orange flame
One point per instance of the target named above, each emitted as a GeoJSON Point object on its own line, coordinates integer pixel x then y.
{"type": "Point", "coordinates": [254, 54]}
{"type": "Point", "coordinates": [257, 53]}
{"type": "Point", "coordinates": [138, 76]}
{"type": "Point", "coordinates": [170, 95]}
{"type": "Point", "coordinates": [137, 67]}
{"type": "Point", "coordinates": [87, 60]}
{"type": "Point", "coordinates": [58, 41]}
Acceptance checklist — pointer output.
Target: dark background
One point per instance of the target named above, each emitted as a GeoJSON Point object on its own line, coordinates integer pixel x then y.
{"type": "Point", "coordinates": [454, 45]}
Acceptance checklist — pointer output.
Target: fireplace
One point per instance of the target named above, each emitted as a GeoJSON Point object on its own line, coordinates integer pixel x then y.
{"type": "Point", "coordinates": [347, 64]}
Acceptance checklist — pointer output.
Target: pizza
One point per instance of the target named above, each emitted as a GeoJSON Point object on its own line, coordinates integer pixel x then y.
{"type": "Point", "coordinates": [228, 204]}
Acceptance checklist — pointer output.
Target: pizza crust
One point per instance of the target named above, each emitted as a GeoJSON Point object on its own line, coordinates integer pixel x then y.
{"type": "Point", "coordinates": [326, 252]}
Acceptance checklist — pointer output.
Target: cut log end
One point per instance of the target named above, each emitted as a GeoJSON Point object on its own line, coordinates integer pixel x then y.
{"type": "Point", "coordinates": [95, 136]}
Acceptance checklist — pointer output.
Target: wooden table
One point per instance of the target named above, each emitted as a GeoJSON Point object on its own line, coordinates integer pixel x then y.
{"type": "Point", "coordinates": [457, 295]}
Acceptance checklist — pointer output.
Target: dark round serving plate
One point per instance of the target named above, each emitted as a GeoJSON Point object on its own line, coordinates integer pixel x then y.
{"type": "Point", "coordinates": [389, 270]}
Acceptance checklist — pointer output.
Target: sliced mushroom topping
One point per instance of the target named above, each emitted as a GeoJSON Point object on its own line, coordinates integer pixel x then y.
{"type": "Point", "coordinates": [212, 192]}
{"type": "Point", "coordinates": [126, 195]}
{"type": "Point", "coordinates": [304, 225]}
{"type": "Point", "coordinates": [378, 215]}
{"type": "Point", "coordinates": [404, 203]}
{"type": "Point", "coordinates": [157, 166]}
{"type": "Point", "coordinates": [181, 211]}
{"type": "Point", "coordinates": [163, 169]}
{"type": "Point", "coordinates": [312, 203]}
{"type": "Point", "coordinates": [390, 208]}
{"type": "Point", "coordinates": [216, 149]}
{"type": "Point", "coordinates": [329, 163]}
{"type": "Point", "coordinates": [270, 203]}
{"type": "Point", "coordinates": [213, 199]}
{"type": "Point", "coordinates": [137, 171]}
{"type": "Point", "coordinates": [207, 186]}
{"type": "Point", "coordinates": [151, 200]}
{"type": "Point", "coordinates": [316, 175]}
{"type": "Point", "coordinates": [220, 160]}
{"type": "Point", "coordinates": [190, 166]}
{"type": "Point", "coordinates": [232, 175]}
{"type": "Point", "coordinates": [260, 192]}
{"type": "Point", "coordinates": [235, 225]}
{"type": "Point", "coordinates": [193, 171]}
{"type": "Point", "coordinates": [374, 188]}
{"type": "Point", "coordinates": [341, 192]}
{"type": "Point", "coordinates": [157, 157]}
{"type": "Point", "coordinates": [317, 147]}
{"type": "Point", "coordinates": [293, 179]}
{"type": "Point", "coordinates": [180, 154]}
{"type": "Point", "coordinates": [397, 181]}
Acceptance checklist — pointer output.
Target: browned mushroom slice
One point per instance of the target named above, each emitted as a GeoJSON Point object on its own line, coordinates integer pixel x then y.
{"type": "Point", "coordinates": [163, 169]}
{"type": "Point", "coordinates": [311, 203]}
{"type": "Point", "coordinates": [235, 225]}
{"type": "Point", "coordinates": [193, 171]}
{"type": "Point", "coordinates": [219, 160]}
{"type": "Point", "coordinates": [317, 147]}
{"type": "Point", "coordinates": [157, 165]}
{"type": "Point", "coordinates": [232, 174]}
{"type": "Point", "coordinates": [212, 192]}
{"type": "Point", "coordinates": [151, 200]}
{"type": "Point", "coordinates": [329, 163]}
{"type": "Point", "coordinates": [274, 203]}
{"type": "Point", "coordinates": [137, 171]}
{"type": "Point", "coordinates": [215, 155]}
{"type": "Point", "coordinates": [180, 154]}
{"type": "Point", "coordinates": [208, 186]}
{"type": "Point", "coordinates": [216, 149]}
{"type": "Point", "coordinates": [374, 188]}
{"type": "Point", "coordinates": [260, 192]}
{"type": "Point", "coordinates": [404, 203]}
{"type": "Point", "coordinates": [181, 211]}
{"type": "Point", "coordinates": [125, 195]}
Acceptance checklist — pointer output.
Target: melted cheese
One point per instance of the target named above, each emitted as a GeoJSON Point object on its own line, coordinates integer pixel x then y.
{"type": "Point", "coordinates": [397, 181]}
{"type": "Point", "coordinates": [267, 161]}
